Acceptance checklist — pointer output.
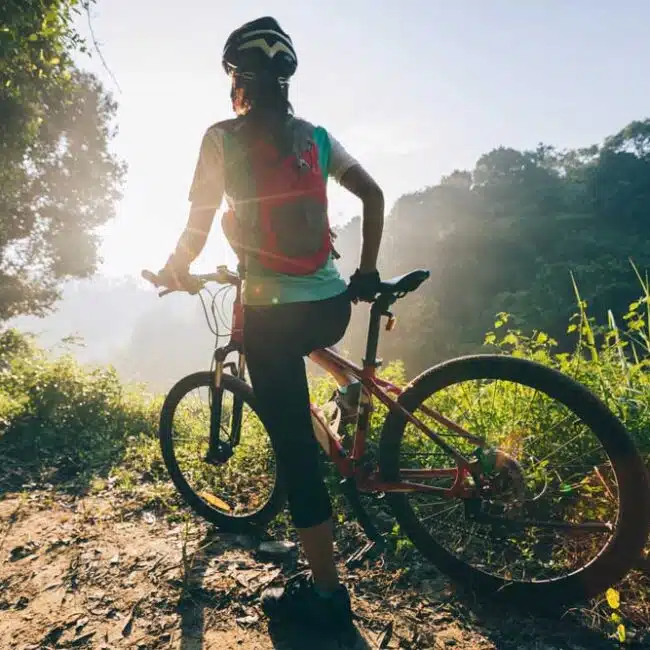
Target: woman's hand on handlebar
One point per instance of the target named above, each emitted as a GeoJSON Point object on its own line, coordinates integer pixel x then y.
{"type": "Point", "coordinates": [173, 279]}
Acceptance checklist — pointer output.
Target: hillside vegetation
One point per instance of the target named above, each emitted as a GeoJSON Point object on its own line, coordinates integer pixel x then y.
{"type": "Point", "coordinates": [506, 235]}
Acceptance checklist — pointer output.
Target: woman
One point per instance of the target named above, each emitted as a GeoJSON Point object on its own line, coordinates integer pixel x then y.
{"type": "Point", "coordinates": [288, 315]}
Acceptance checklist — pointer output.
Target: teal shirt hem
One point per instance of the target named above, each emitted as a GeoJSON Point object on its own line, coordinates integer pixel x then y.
{"type": "Point", "coordinates": [278, 288]}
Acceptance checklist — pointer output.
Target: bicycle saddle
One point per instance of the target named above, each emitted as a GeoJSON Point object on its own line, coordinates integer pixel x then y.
{"type": "Point", "coordinates": [405, 283]}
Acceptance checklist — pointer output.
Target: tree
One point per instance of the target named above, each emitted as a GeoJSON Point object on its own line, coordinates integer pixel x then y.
{"type": "Point", "coordinates": [58, 181]}
{"type": "Point", "coordinates": [634, 138]}
{"type": "Point", "coordinates": [460, 179]}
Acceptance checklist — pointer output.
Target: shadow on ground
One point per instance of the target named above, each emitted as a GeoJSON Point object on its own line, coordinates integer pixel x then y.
{"type": "Point", "coordinates": [508, 629]}
{"type": "Point", "coordinates": [196, 601]}
{"type": "Point", "coordinates": [199, 603]}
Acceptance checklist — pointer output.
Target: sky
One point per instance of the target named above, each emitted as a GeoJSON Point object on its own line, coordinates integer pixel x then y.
{"type": "Point", "coordinates": [413, 89]}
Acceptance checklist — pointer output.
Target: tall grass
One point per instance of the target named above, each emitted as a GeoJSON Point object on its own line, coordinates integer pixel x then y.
{"type": "Point", "coordinates": [610, 358]}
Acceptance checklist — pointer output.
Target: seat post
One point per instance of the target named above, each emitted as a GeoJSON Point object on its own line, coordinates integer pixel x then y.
{"type": "Point", "coordinates": [370, 359]}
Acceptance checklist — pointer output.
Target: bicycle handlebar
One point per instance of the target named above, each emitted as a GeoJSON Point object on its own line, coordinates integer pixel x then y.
{"type": "Point", "coordinates": [222, 276]}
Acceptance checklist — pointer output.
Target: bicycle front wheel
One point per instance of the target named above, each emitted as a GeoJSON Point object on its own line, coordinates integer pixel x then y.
{"type": "Point", "coordinates": [237, 487]}
{"type": "Point", "coordinates": [563, 513]}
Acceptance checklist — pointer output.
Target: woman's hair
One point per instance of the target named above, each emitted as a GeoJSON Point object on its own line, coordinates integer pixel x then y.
{"type": "Point", "coordinates": [260, 96]}
{"type": "Point", "coordinates": [263, 102]}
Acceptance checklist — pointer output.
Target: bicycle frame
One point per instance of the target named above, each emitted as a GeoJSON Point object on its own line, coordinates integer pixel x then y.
{"type": "Point", "coordinates": [353, 465]}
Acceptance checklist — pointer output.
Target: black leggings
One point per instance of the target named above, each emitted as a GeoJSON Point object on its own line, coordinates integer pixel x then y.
{"type": "Point", "coordinates": [277, 338]}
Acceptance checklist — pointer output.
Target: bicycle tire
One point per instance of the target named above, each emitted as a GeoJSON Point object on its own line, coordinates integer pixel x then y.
{"type": "Point", "coordinates": [277, 498]}
{"type": "Point", "coordinates": [629, 538]}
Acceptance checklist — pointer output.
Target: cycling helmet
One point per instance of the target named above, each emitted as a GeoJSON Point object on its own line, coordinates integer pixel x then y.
{"type": "Point", "coordinates": [260, 47]}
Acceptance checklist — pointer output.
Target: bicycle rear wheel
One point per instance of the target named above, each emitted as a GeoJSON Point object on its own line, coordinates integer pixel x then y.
{"type": "Point", "coordinates": [564, 521]}
{"type": "Point", "coordinates": [239, 488]}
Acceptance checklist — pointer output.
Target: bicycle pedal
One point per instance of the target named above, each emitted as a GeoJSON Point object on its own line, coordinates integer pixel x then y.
{"type": "Point", "coordinates": [332, 415]}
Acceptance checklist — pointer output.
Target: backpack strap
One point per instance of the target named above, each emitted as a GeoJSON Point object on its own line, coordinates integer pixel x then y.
{"type": "Point", "coordinates": [302, 137]}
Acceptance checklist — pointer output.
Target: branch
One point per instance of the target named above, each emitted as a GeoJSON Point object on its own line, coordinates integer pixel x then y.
{"type": "Point", "coordinates": [96, 45]}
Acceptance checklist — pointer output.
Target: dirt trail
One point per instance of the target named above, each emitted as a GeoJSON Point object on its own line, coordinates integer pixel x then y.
{"type": "Point", "coordinates": [86, 572]}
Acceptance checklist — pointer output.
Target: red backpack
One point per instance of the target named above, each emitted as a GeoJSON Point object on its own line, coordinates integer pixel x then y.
{"type": "Point", "coordinates": [278, 198]}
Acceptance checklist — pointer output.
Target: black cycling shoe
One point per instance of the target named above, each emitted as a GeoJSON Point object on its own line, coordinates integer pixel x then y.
{"type": "Point", "coordinates": [298, 602]}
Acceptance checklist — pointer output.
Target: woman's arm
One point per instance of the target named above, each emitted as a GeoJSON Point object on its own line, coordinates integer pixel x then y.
{"type": "Point", "coordinates": [193, 238]}
{"type": "Point", "coordinates": [357, 180]}
{"type": "Point", "coordinates": [206, 194]}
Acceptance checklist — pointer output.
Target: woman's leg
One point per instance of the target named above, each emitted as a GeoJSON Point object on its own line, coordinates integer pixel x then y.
{"type": "Point", "coordinates": [279, 380]}
{"type": "Point", "coordinates": [318, 542]}
{"type": "Point", "coordinates": [277, 340]}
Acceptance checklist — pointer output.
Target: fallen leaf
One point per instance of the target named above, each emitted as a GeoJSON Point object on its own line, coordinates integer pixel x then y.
{"type": "Point", "coordinates": [21, 603]}
{"type": "Point", "coordinates": [247, 620]}
{"type": "Point", "coordinates": [613, 598]}
{"type": "Point", "coordinates": [81, 640]}
{"type": "Point", "coordinates": [22, 551]}
{"type": "Point", "coordinates": [244, 578]}
{"type": "Point", "coordinates": [53, 636]}
{"type": "Point", "coordinates": [273, 547]}
{"type": "Point", "coordinates": [128, 626]}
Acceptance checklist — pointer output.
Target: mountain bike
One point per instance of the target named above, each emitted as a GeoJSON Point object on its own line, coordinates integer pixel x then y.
{"type": "Point", "coordinates": [511, 477]}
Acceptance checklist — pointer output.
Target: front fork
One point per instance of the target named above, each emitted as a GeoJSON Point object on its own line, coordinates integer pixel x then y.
{"type": "Point", "coordinates": [219, 451]}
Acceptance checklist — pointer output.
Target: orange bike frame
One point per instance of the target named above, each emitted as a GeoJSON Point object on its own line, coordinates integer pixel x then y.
{"type": "Point", "coordinates": [368, 480]}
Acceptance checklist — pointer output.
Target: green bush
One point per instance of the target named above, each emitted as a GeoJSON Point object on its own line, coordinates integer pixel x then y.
{"type": "Point", "coordinates": [57, 415]}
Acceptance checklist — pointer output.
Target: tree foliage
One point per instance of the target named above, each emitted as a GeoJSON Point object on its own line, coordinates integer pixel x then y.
{"type": "Point", "coordinates": [58, 179]}
{"type": "Point", "coordinates": [506, 235]}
